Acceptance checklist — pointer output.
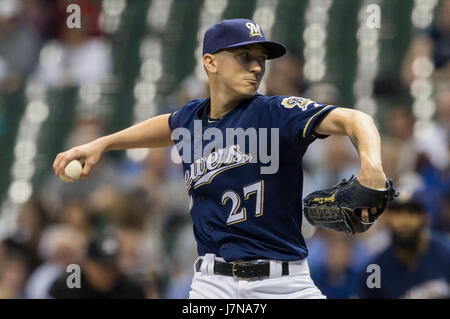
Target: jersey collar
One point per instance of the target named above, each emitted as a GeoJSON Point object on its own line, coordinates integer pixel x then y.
{"type": "Point", "coordinates": [204, 110]}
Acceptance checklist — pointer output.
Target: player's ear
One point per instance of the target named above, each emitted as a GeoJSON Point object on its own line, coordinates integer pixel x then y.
{"type": "Point", "coordinates": [210, 63]}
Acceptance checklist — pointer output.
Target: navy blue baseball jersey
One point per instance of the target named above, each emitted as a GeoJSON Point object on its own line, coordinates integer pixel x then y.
{"type": "Point", "coordinates": [429, 277]}
{"type": "Point", "coordinates": [244, 174]}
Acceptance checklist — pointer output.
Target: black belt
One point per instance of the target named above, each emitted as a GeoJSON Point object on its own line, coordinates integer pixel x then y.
{"type": "Point", "coordinates": [245, 269]}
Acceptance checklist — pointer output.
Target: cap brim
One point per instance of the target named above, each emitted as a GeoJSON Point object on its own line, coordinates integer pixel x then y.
{"type": "Point", "coordinates": [274, 49]}
{"type": "Point", "coordinates": [412, 206]}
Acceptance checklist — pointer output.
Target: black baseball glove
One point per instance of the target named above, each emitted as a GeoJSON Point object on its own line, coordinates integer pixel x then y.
{"type": "Point", "coordinates": [339, 208]}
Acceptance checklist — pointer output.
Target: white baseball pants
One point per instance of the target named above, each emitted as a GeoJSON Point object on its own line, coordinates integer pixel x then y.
{"type": "Point", "coordinates": [297, 285]}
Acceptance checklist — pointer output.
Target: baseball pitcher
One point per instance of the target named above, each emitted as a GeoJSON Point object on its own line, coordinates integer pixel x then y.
{"type": "Point", "coordinates": [242, 159]}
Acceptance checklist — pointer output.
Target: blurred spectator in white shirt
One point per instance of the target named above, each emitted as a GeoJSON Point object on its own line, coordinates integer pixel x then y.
{"type": "Point", "coordinates": [79, 55]}
{"type": "Point", "coordinates": [60, 246]}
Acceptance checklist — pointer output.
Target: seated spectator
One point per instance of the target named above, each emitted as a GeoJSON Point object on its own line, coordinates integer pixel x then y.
{"type": "Point", "coordinates": [443, 223]}
{"type": "Point", "coordinates": [443, 117]}
{"type": "Point", "coordinates": [417, 262]}
{"type": "Point", "coordinates": [60, 246]}
{"type": "Point", "coordinates": [76, 214]}
{"type": "Point", "coordinates": [440, 37]}
{"type": "Point", "coordinates": [434, 44]}
{"type": "Point", "coordinates": [57, 193]}
{"type": "Point", "coordinates": [18, 47]}
{"type": "Point", "coordinates": [32, 220]}
{"type": "Point", "coordinates": [336, 276]}
{"type": "Point", "coordinates": [13, 274]}
{"type": "Point", "coordinates": [286, 77]}
{"type": "Point", "coordinates": [78, 56]}
{"type": "Point", "coordinates": [38, 16]}
{"type": "Point", "coordinates": [100, 275]}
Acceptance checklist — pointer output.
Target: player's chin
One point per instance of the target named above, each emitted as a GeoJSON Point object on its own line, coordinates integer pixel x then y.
{"type": "Point", "coordinates": [249, 90]}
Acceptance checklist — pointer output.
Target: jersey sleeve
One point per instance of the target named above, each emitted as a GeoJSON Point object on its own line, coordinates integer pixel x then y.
{"type": "Point", "coordinates": [175, 119]}
{"type": "Point", "coordinates": [183, 116]}
{"type": "Point", "coordinates": [298, 116]}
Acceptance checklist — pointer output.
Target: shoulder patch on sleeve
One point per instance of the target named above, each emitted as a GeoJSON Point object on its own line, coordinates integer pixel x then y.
{"type": "Point", "coordinates": [294, 101]}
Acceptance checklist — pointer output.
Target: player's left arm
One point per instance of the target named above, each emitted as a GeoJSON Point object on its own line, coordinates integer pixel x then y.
{"type": "Point", "coordinates": [363, 133]}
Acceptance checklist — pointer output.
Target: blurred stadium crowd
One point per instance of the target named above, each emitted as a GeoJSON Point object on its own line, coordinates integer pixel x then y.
{"type": "Point", "coordinates": [139, 196]}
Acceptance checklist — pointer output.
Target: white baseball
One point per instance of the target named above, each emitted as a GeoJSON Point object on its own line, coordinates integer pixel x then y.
{"type": "Point", "coordinates": [73, 170]}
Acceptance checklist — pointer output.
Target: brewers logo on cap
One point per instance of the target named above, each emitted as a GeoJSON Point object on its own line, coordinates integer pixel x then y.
{"type": "Point", "coordinates": [234, 33]}
{"type": "Point", "coordinates": [254, 28]}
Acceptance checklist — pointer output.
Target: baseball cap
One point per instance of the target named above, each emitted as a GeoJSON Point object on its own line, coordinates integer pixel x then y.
{"type": "Point", "coordinates": [104, 249]}
{"type": "Point", "coordinates": [411, 201]}
{"type": "Point", "coordinates": [239, 32]}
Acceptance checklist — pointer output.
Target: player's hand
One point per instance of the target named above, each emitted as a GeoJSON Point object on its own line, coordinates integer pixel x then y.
{"type": "Point", "coordinates": [372, 178]}
{"type": "Point", "coordinates": [88, 154]}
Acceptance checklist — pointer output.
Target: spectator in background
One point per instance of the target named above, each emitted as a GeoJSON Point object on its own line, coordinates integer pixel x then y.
{"type": "Point", "coordinates": [329, 163]}
{"type": "Point", "coordinates": [433, 44]}
{"type": "Point", "coordinates": [18, 47]}
{"type": "Point", "coordinates": [13, 273]}
{"type": "Point", "coordinates": [389, 158]}
{"type": "Point", "coordinates": [130, 239]}
{"type": "Point", "coordinates": [76, 214]}
{"type": "Point", "coordinates": [443, 223]}
{"type": "Point", "coordinates": [139, 230]}
{"type": "Point", "coordinates": [440, 37]}
{"type": "Point", "coordinates": [127, 212]}
{"type": "Point", "coordinates": [152, 179]}
{"type": "Point", "coordinates": [417, 262]}
{"type": "Point", "coordinates": [341, 160]}
{"type": "Point", "coordinates": [32, 220]}
{"type": "Point", "coordinates": [57, 193]}
{"type": "Point", "coordinates": [443, 138]}
{"type": "Point", "coordinates": [443, 116]}
{"type": "Point", "coordinates": [60, 246]}
{"type": "Point", "coordinates": [286, 77]}
{"type": "Point", "coordinates": [122, 210]}
{"type": "Point", "coordinates": [419, 157]}
{"type": "Point", "coordinates": [400, 127]}
{"type": "Point", "coordinates": [78, 56]}
{"type": "Point", "coordinates": [336, 276]}
{"type": "Point", "coordinates": [38, 16]}
{"type": "Point", "coordinates": [184, 254]}
{"type": "Point", "coordinates": [191, 88]}
{"type": "Point", "coordinates": [434, 141]}
{"type": "Point", "coordinates": [443, 123]}
{"type": "Point", "coordinates": [166, 195]}
{"type": "Point", "coordinates": [150, 260]}
{"type": "Point", "coordinates": [411, 150]}
{"type": "Point", "coordinates": [323, 91]}
{"type": "Point", "coordinates": [101, 277]}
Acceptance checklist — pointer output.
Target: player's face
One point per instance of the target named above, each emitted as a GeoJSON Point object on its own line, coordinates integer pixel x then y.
{"type": "Point", "coordinates": [241, 69]}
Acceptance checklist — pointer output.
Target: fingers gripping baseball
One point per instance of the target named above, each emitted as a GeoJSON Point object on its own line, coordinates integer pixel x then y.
{"type": "Point", "coordinates": [87, 167]}
{"type": "Point", "coordinates": [87, 154]}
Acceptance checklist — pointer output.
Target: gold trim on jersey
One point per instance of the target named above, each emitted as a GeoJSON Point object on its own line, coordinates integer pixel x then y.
{"type": "Point", "coordinates": [309, 121]}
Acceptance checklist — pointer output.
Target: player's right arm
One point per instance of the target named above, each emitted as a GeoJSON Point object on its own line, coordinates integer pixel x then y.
{"type": "Point", "coordinates": [152, 133]}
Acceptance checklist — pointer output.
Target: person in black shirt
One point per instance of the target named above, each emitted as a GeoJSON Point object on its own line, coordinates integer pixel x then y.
{"type": "Point", "coordinates": [100, 277]}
